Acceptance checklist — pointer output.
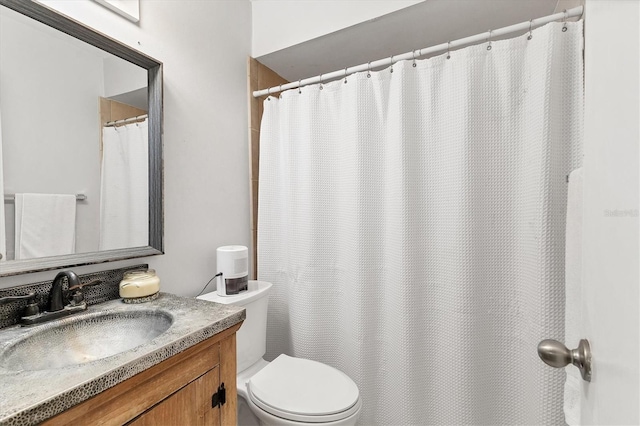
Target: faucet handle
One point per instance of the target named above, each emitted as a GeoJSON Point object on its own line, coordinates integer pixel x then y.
{"type": "Point", "coordinates": [81, 285]}
{"type": "Point", "coordinates": [31, 308]}
{"type": "Point", "coordinates": [7, 299]}
{"type": "Point", "coordinates": [78, 296]}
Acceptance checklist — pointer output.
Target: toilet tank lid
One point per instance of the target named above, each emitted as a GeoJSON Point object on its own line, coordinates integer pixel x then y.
{"type": "Point", "coordinates": [255, 290]}
{"type": "Point", "coordinates": [303, 387]}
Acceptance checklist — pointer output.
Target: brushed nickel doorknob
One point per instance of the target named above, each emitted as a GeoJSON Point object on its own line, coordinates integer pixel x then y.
{"type": "Point", "coordinates": [557, 355]}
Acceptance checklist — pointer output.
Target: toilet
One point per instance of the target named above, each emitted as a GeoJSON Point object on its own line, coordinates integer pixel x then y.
{"type": "Point", "coordinates": [288, 390]}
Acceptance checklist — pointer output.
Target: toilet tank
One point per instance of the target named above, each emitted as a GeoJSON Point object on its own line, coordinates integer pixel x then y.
{"type": "Point", "coordinates": [251, 339]}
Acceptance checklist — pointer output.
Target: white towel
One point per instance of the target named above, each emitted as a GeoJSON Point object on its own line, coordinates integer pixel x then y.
{"type": "Point", "coordinates": [45, 225]}
{"type": "Point", "coordinates": [573, 294]}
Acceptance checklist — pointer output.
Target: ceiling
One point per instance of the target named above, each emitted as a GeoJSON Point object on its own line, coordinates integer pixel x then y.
{"type": "Point", "coordinates": [422, 25]}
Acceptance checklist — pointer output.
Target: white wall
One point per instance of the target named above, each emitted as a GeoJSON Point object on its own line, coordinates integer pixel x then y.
{"type": "Point", "coordinates": [204, 47]}
{"type": "Point", "coordinates": [49, 84]}
{"type": "Point", "coordinates": [278, 24]}
{"type": "Point", "coordinates": [122, 77]}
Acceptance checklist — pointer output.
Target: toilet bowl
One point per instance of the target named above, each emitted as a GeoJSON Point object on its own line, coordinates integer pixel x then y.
{"type": "Point", "coordinates": [286, 391]}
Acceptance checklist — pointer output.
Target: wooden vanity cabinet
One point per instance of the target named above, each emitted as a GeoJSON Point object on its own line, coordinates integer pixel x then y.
{"type": "Point", "coordinates": [177, 391]}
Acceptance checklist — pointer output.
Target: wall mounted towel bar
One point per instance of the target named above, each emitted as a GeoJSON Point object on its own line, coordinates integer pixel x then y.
{"type": "Point", "coordinates": [10, 198]}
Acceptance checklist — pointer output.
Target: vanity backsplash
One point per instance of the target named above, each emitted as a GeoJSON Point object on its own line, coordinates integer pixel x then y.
{"type": "Point", "coordinates": [108, 289]}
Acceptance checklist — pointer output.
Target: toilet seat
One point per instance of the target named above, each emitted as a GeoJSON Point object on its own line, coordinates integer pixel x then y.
{"type": "Point", "coordinates": [302, 390]}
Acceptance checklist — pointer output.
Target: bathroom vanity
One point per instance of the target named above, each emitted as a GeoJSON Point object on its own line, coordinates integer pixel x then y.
{"type": "Point", "coordinates": [82, 368]}
{"type": "Point", "coordinates": [182, 390]}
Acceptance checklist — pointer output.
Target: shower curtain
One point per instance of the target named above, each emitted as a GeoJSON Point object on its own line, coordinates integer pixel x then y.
{"type": "Point", "coordinates": [412, 223]}
{"type": "Point", "coordinates": [124, 192]}
{"type": "Point", "coordinates": [3, 236]}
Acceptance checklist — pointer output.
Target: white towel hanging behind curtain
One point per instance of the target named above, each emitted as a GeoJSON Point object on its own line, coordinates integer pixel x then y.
{"type": "Point", "coordinates": [124, 196]}
{"type": "Point", "coordinates": [3, 236]}
{"type": "Point", "coordinates": [412, 224]}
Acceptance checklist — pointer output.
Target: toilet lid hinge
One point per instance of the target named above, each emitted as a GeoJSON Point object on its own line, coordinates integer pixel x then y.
{"type": "Point", "coordinates": [219, 398]}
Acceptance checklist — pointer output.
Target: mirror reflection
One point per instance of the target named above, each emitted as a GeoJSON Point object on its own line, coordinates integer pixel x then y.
{"type": "Point", "coordinates": [74, 145]}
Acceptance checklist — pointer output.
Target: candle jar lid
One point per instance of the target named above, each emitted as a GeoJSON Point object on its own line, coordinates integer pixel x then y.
{"type": "Point", "coordinates": [139, 275]}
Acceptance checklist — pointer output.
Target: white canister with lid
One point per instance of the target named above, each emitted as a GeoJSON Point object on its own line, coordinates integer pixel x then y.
{"type": "Point", "coordinates": [137, 284]}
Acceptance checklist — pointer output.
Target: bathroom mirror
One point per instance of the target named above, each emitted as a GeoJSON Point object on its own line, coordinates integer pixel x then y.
{"type": "Point", "coordinates": [66, 92]}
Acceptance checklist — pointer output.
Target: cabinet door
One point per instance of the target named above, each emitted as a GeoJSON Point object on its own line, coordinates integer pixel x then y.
{"type": "Point", "coordinates": [191, 405]}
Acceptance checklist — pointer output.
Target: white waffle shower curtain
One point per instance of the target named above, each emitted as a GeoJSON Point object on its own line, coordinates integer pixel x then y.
{"type": "Point", "coordinates": [412, 224]}
{"type": "Point", "coordinates": [124, 192]}
{"type": "Point", "coordinates": [3, 244]}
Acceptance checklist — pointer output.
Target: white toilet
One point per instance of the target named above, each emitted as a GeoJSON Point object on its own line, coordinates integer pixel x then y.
{"type": "Point", "coordinates": [287, 391]}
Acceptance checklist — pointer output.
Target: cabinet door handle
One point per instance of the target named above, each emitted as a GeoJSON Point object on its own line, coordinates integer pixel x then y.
{"type": "Point", "coordinates": [219, 398]}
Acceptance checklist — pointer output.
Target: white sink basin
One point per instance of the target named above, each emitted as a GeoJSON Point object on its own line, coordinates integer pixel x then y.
{"type": "Point", "coordinates": [83, 339]}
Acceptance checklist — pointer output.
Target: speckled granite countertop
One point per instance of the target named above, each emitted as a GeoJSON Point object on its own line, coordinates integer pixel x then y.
{"type": "Point", "coordinates": [29, 397]}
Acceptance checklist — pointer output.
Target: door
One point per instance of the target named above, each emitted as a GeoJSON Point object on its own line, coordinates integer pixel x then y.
{"type": "Point", "coordinates": [190, 406]}
{"type": "Point", "coordinates": [610, 254]}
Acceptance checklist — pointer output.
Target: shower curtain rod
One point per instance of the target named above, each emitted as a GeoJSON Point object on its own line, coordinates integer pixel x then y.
{"type": "Point", "coordinates": [125, 121]}
{"type": "Point", "coordinates": [486, 36]}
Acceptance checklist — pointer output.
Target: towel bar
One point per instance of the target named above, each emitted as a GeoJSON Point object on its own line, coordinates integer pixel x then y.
{"type": "Point", "coordinates": [10, 198]}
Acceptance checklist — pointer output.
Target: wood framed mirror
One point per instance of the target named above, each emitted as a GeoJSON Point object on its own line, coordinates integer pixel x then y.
{"type": "Point", "coordinates": [116, 57]}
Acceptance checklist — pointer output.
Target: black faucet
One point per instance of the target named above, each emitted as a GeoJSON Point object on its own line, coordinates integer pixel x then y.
{"type": "Point", "coordinates": [56, 295]}
{"type": "Point", "coordinates": [61, 302]}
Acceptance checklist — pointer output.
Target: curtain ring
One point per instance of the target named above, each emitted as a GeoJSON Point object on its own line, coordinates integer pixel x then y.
{"type": "Point", "coordinates": [269, 94]}
{"type": "Point", "coordinates": [391, 67]}
{"type": "Point", "coordinates": [564, 20]}
{"type": "Point", "coordinates": [448, 50]}
{"type": "Point", "coordinates": [321, 87]}
{"type": "Point", "coordinates": [369, 69]}
{"type": "Point", "coordinates": [345, 75]}
{"type": "Point", "coordinates": [414, 59]}
{"type": "Point", "coordinates": [299, 87]}
{"type": "Point", "coordinates": [530, 32]}
{"type": "Point", "coordinates": [489, 39]}
{"type": "Point", "coordinates": [280, 90]}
